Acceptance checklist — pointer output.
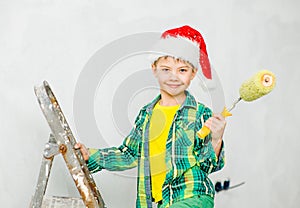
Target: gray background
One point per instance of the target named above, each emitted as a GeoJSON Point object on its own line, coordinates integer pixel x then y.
{"type": "Point", "coordinates": [53, 40]}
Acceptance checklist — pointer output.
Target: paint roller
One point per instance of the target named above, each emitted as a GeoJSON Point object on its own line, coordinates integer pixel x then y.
{"type": "Point", "coordinates": [257, 86]}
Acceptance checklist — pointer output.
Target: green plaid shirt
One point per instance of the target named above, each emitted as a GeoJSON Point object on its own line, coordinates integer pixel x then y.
{"type": "Point", "coordinates": [189, 159]}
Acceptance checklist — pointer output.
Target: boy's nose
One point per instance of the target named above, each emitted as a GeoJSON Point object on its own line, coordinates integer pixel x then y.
{"type": "Point", "coordinates": [173, 75]}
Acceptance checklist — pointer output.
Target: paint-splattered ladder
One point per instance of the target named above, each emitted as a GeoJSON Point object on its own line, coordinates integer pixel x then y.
{"type": "Point", "coordinates": [62, 142]}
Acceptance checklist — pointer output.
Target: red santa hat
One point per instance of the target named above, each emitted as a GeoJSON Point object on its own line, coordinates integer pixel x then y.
{"type": "Point", "coordinates": [186, 43]}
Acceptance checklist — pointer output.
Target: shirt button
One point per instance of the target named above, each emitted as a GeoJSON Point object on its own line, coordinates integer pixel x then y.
{"type": "Point", "coordinates": [148, 197]}
{"type": "Point", "coordinates": [146, 177]}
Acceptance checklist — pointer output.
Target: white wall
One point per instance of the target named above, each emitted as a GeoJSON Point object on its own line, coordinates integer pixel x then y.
{"type": "Point", "coordinates": [53, 40]}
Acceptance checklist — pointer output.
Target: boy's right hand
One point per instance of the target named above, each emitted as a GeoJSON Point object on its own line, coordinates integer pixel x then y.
{"type": "Point", "coordinates": [84, 151]}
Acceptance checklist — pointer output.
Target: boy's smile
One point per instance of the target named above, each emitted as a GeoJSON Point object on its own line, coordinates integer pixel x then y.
{"type": "Point", "coordinates": [174, 77]}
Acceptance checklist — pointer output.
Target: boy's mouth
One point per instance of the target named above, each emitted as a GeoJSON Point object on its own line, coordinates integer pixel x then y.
{"type": "Point", "coordinates": [173, 85]}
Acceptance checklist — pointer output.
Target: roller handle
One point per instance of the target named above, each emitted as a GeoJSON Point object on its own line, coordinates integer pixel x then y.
{"type": "Point", "coordinates": [204, 131]}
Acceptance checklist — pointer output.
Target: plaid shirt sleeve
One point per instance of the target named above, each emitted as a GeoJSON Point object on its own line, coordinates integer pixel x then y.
{"type": "Point", "coordinates": [203, 149]}
{"type": "Point", "coordinates": [117, 159]}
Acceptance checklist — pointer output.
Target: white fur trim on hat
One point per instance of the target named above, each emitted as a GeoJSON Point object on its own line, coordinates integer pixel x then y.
{"type": "Point", "coordinates": [176, 47]}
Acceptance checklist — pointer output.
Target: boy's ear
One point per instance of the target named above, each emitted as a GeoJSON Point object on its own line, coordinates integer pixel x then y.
{"type": "Point", "coordinates": [194, 72]}
{"type": "Point", "coordinates": [153, 69]}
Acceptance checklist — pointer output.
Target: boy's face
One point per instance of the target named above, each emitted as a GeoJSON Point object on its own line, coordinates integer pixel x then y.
{"type": "Point", "coordinates": [174, 76]}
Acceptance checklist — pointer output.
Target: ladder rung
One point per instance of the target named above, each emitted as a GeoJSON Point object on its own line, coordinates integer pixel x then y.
{"type": "Point", "coordinates": [62, 202]}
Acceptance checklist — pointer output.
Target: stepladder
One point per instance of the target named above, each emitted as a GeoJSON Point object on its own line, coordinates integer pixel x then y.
{"type": "Point", "coordinates": [61, 142]}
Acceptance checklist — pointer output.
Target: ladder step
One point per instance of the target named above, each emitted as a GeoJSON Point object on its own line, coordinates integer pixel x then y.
{"type": "Point", "coordinates": [62, 202]}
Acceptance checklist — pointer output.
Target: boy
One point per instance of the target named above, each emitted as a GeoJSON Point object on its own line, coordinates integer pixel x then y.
{"type": "Point", "coordinates": [173, 162]}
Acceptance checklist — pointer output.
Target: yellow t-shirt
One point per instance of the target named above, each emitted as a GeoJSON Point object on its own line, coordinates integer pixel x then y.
{"type": "Point", "coordinates": [160, 124]}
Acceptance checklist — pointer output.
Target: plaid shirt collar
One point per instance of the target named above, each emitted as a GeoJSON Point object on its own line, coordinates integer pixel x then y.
{"type": "Point", "coordinates": [188, 102]}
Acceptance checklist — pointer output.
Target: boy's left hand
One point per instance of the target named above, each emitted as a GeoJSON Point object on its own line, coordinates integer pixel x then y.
{"type": "Point", "coordinates": [217, 124]}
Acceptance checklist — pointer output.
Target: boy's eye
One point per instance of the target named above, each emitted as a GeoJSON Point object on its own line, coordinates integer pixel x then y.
{"type": "Point", "coordinates": [183, 70]}
{"type": "Point", "coordinates": [165, 69]}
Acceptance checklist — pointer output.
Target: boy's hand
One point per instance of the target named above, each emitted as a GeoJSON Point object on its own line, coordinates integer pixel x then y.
{"type": "Point", "coordinates": [84, 151]}
{"type": "Point", "coordinates": [217, 124]}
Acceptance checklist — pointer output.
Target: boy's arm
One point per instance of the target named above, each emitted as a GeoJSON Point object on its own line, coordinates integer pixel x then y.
{"type": "Point", "coordinates": [216, 124]}
{"type": "Point", "coordinates": [217, 145]}
{"type": "Point", "coordinates": [208, 151]}
{"type": "Point", "coordinates": [207, 159]}
{"type": "Point", "coordinates": [121, 158]}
